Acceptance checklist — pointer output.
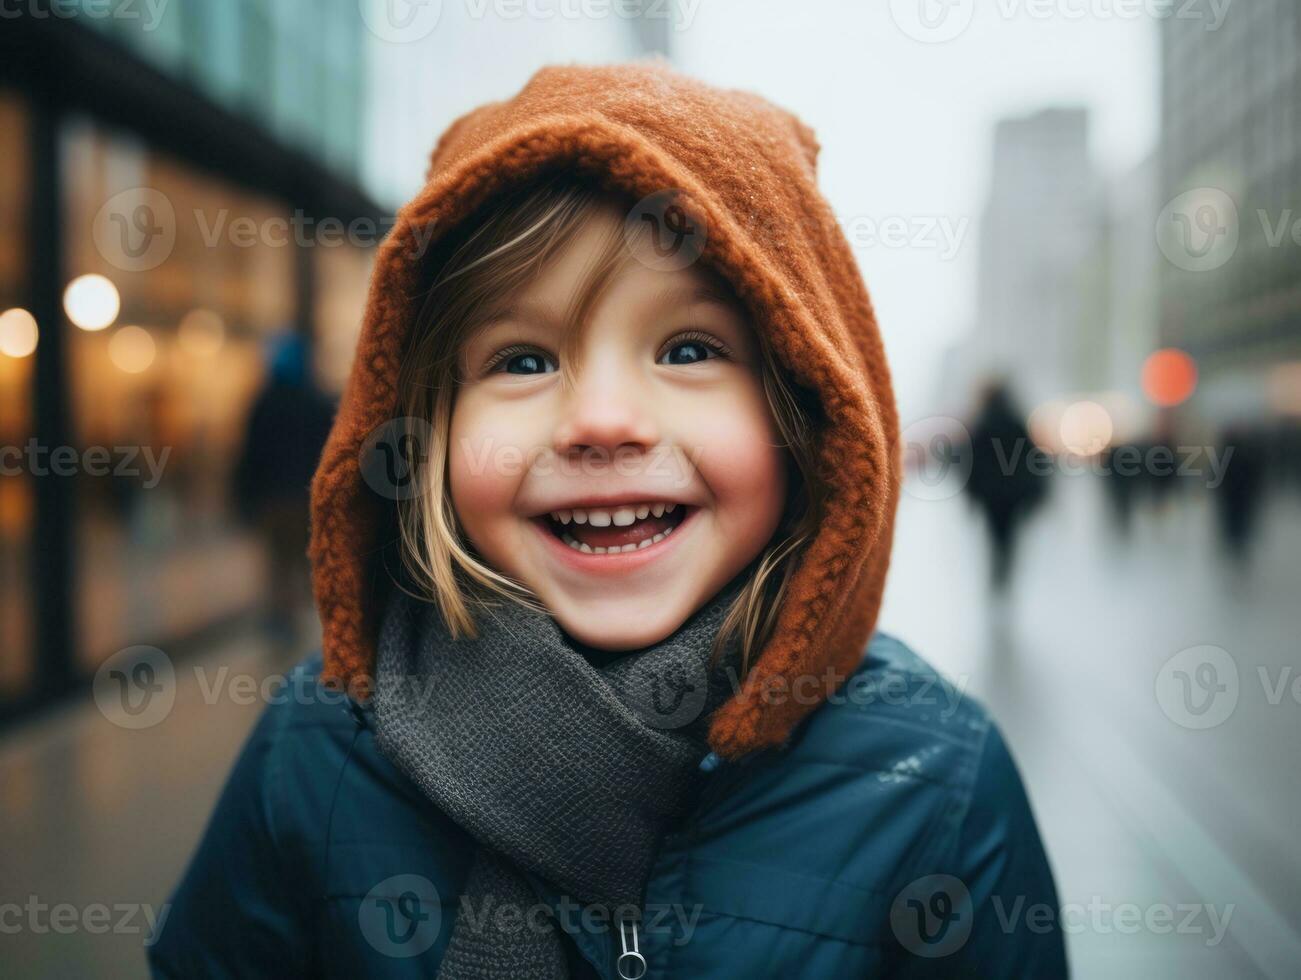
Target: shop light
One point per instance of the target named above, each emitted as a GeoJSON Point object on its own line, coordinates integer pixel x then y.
{"type": "Point", "coordinates": [1169, 377]}
{"type": "Point", "coordinates": [18, 333]}
{"type": "Point", "coordinates": [91, 302]}
{"type": "Point", "coordinates": [201, 333]}
{"type": "Point", "coordinates": [132, 349]}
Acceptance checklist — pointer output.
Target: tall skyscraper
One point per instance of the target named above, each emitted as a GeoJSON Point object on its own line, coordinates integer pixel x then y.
{"type": "Point", "coordinates": [1231, 185]}
{"type": "Point", "coordinates": [1038, 226]}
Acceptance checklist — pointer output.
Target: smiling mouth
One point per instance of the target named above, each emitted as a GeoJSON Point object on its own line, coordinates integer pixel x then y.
{"type": "Point", "coordinates": [642, 533]}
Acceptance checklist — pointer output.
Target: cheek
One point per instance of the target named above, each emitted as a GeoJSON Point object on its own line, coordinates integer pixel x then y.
{"type": "Point", "coordinates": [742, 462]}
{"type": "Point", "coordinates": [486, 456]}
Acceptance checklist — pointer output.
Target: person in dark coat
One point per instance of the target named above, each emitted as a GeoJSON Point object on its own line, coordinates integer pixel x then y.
{"type": "Point", "coordinates": [1007, 479]}
{"type": "Point", "coordinates": [286, 429]}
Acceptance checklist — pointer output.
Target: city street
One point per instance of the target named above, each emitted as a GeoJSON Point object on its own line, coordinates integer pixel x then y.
{"type": "Point", "coordinates": [1134, 807]}
{"type": "Point", "coordinates": [1170, 845]}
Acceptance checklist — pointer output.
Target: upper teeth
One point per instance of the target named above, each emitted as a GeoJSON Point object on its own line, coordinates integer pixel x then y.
{"type": "Point", "coordinates": [619, 516]}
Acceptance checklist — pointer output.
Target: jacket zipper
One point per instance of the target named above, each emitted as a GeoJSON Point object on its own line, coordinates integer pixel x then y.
{"type": "Point", "coordinates": [630, 964]}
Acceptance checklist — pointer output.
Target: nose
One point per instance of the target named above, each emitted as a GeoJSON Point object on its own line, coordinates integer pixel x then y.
{"type": "Point", "coordinates": [605, 411]}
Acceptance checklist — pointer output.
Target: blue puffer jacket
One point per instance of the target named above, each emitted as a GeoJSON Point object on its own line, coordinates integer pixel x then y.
{"type": "Point", "coordinates": [890, 837]}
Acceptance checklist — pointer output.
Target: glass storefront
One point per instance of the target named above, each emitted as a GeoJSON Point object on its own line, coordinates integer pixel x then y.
{"type": "Point", "coordinates": [16, 344]}
{"type": "Point", "coordinates": [178, 284]}
{"type": "Point", "coordinates": [162, 391]}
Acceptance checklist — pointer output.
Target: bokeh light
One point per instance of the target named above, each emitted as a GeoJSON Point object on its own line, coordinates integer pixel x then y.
{"type": "Point", "coordinates": [1169, 377]}
{"type": "Point", "coordinates": [91, 302]}
{"type": "Point", "coordinates": [1045, 425]}
{"type": "Point", "coordinates": [1085, 428]}
{"type": "Point", "coordinates": [201, 333]}
{"type": "Point", "coordinates": [18, 333]}
{"type": "Point", "coordinates": [132, 349]}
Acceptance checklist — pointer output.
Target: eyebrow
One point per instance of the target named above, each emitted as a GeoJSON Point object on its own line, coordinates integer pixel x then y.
{"type": "Point", "coordinates": [695, 294]}
{"type": "Point", "coordinates": [547, 315]}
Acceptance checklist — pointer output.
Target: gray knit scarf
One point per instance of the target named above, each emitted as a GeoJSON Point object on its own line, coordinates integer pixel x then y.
{"type": "Point", "coordinates": [551, 757]}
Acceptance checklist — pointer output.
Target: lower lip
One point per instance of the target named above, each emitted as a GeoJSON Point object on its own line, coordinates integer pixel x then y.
{"type": "Point", "coordinates": [621, 561]}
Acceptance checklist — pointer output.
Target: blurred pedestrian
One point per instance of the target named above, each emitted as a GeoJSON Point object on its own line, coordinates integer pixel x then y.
{"type": "Point", "coordinates": [285, 433]}
{"type": "Point", "coordinates": [1238, 497]}
{"type": "Point", "coordinates": [1004, 483]}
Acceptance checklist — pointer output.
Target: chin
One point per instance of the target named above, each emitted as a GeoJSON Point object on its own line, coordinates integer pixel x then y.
{"type": "Point", "coordinates": [625, 628]}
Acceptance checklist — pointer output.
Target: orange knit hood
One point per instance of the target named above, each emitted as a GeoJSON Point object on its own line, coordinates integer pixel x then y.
{"type": "Point", "coordinates": [747, 169]}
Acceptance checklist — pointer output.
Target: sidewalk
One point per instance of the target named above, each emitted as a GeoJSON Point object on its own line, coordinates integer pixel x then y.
{"type": "Point", "coordinates": [100, 820]}
{"type": "Point", "coordinates": [1136, 810]}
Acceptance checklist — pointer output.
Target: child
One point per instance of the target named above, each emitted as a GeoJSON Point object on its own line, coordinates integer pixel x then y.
{"type": "Point", "coordinates": [598, 544]}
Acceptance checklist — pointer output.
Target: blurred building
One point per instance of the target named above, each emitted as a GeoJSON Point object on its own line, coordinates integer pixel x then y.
{"type": "Point", "coordinates": [1043, 274]}
{"type": "Point", "coordinates": [182, 183]}
{"type": "Point", "coordinates": [1034, 294]}
{"type": "Point", "coordinates": [1230, 173]}
{"type": "Point", "coordinates": [1133, 272]}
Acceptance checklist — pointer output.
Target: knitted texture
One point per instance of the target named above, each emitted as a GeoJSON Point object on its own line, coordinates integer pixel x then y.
{"type": "Point", "coordinates": [569, 770]}
{"type": "Point", "coordinates": [744, 170]}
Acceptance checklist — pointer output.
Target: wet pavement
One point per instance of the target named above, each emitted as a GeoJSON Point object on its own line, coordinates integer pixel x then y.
{"type": "Point", "coordinates": [1171, 843]}
{"type": "Point", "coordinates": [1167, 804]}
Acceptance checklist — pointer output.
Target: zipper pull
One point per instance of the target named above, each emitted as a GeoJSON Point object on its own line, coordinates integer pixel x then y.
{"type": "Point", "coordinates": [631, 964]}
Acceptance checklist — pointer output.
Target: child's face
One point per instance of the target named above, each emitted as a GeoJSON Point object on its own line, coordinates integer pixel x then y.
{"type": "Point", "coordinates": [653, 417]}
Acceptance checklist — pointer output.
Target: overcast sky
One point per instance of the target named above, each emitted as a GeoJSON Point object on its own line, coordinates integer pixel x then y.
{"type": "Point", "coordinates": [906, 125]}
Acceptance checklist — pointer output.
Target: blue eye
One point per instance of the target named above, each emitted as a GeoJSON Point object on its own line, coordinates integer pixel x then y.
{"type": "Point", "coordinates": [528, 359]}
{"type": "Point", "coordinates": [700, 344]}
